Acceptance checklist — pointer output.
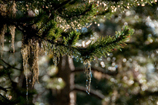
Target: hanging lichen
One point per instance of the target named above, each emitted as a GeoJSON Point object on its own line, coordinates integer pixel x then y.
{"type": "Point", "coordinates": [24, 52]}
{"type": "Point", "coordinates": [3, 9]}
{"type": "Point", "coordinates": [25, 55]}
{"type": "Point", "coordinates": [3, 27]}
{"type": "Point", "coordinates": [42, 47]}
{"type": "Point", "coordinates": [11, 13]}
{"type": "Point", "coordinates": [12, 32]}
{"type": "Point", "coordinates": [2, 33]}
{"type": "Point", "coordinates": [88, 75]}
{"type": "Point", "coordinates": [30, 53]}
{"type": "Point", "coordinates": [12, 28]}
{"type": "Point", "coordinates": [12, 10]}
{"type": "Point", "coordinates": [34, 68]}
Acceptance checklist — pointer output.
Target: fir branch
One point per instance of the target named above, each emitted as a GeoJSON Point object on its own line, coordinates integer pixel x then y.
{"type": "Point", "coordinates": [105, 45]}
{"type": "Point", "coordinates": [86, 34]}
{"type": "Point", "coordinates": [82, 35]}
{"type": "Point", "coordinates": [101, 47]}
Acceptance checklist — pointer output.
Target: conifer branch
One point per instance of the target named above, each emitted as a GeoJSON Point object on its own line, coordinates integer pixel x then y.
{"type": "Point", "coordinates": [105, 45]}
{"type": "Point", "coordinates": [101, 47]}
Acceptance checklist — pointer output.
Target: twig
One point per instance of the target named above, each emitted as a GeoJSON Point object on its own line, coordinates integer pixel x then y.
{"type": "Point", "coordinates": [92, 92]}
{"type": "Point", "coordinates": [10, 65]}
{"type": "Point", "coordinates": [4, 89]}
{"type": "Point", "coordinates": [96, 69]}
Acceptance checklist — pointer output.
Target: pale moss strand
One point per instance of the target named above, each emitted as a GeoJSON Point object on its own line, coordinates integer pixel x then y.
{"type": "Point", "coordinates": [3, 9]}
{"type": "Point", "coordinates": [13, 9]}
{"type": "Point", "coordinates": [12, 32]}
{"type": "Point", "coordinates": [88, 75]}
{"type": "Point", "coordinates": [2, 33]}
{"type": "Point", "coordinates": [35, 68]}
{"type": "Point", "coordinates": [12, 28]}
{"type": "Point", "coordinates": [3, 12]}
{"type": "Point", "coordinates": [25, 55]}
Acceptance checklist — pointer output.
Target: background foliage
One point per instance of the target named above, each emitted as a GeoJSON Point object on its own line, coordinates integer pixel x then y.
{"type": "Point", "coordinates": [81, 30]}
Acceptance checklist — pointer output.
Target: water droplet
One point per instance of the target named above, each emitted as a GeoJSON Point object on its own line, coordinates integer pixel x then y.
{"type": "Point", "coordinates": [27, 87]}
{"type": "Point", "coordinates": [88, 76]}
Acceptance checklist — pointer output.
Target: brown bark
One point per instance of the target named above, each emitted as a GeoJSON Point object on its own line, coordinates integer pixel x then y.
{"type": "Point", "coordinates": [66, 96]}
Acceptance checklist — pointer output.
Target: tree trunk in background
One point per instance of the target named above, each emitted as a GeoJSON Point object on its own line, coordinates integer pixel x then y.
{"type": "Point", "coordinates": [65, 96]}
{"type": "Point", "coordinates": [22, 85]}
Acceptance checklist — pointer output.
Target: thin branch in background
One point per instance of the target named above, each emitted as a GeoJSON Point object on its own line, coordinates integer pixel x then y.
{"type": "Point", "coordinates": [4, 89]}
{"type": "Point", "coordinates": [9, 102]}
{"type": "Point", "coordinates": [5, 98]}
{"type": "Point", "coordinates": [98, 69]}
{"type": "Point", "coordinates": [92, 92]}
{"type": "Point", "coordinates": [10, 65]}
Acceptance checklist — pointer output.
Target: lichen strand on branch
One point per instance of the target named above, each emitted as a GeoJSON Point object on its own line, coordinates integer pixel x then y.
{"type": "Point", "coordinates": [88, 75]}
{"type": "Point", "coordinates": [12, 32]}
{"type": "Point", "coordinates": [2, 32]}
{"type": "Point", "coordinates": [30, 59]}
{"type": "Point", "coordinates": [3, 27]}
{"type": "Point", "coordinates": [104, 45]}
{"type": "Point", "coordinates": [25, 55]}
{"type": "Point", "coordinates": [12, 28]}
{"type": "Point", "coordinates": [11, 12]}
{"type": "Point", "coordinates": [3, 9]}
{"type": "Point", "coordinates": [35, 69]}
